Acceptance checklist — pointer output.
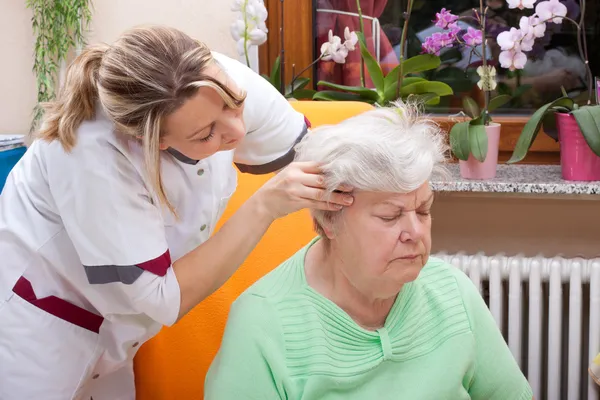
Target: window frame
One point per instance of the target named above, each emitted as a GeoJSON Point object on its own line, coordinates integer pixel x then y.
{"type": "Point", "coordinates": [299, 35]}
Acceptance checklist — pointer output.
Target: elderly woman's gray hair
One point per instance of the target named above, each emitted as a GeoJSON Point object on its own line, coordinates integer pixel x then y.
{"type": "Point", "coordinates": [388, 149]}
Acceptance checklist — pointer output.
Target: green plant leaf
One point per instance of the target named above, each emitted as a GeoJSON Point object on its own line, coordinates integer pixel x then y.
{"type": "Point", "coordinates": [430, 99]}
{"type": "Point", "coordinates": [276, 73]}
{"type": "Point", "coordinates": [392, 86]}
{"type": "Point", "coordinates": [439, 88]}
{"type": "Point", "coordinates": [532, 127]}
{"type": "Point", "coordinates": [471, 107]}
{"type": "Point", "coordinates": [267, 78]}
{"type": "Point", "coordinates": [498, 102]}
{"type": "Point", "coordinates": [588, 119]}
{"type": "Point", "coordinates": [333, 95]}
{"type": "Point", "coordinates": [459, 140]}
{"type": "Point", "coordinates": [299, 83]}
{"type": "Point", "coordinates": [478, 141]}
{"type": "Point", "coordinates": [303, 94]}
{"type": "Point", "coordinates": [363, 92]}
{"type": "Point", "coordinates": [372, 65]}
{"type": "Point", "coordinates": [520, 91]}
{"type": "Point", "coordinates": [549, 124]}
{"type": "Point", "coordinates": [420, 63]}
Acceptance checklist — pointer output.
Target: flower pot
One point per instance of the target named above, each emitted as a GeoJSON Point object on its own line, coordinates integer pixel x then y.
{"type": "Point", "coordinates": [578, 162]}
{"type": "Point", "coordinates": [474, 169]}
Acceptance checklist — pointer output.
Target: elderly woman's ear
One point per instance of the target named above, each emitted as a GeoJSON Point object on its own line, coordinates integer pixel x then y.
{"type": "Point", "coordinates": [324, 222]}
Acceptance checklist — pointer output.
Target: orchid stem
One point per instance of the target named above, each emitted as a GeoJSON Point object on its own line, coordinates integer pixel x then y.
{"type": "Point", "coordinates": [581, 45]}
{"type": "Point", "coordinates": [246, 33]}
{"type": "Point", "coordinates": [582, 37]}
{"type": "Point", "coordinates": [246, 52]}
{"type": "Point", "coordinates": [402, 43]}
{"type": "Point", "coordinates": [304, 70]}
{"type": "Point", "coordinates": [362, 30]}
{"type": "Point", "coordinates": [486, 93]}
{"type": "Point", "coordinates": [282, 51]}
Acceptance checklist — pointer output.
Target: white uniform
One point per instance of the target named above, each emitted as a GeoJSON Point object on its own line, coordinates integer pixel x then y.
{"type": "Point", "coordinates": [86, 275]}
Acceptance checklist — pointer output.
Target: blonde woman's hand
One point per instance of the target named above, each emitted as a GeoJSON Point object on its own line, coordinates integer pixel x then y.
{"type": "Point", "coordinates": [300, 185]}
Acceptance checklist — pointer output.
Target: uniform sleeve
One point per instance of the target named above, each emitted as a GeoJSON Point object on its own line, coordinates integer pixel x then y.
{"type": "Point", "coordinates": [249, 363]}
{"type": "Point", "coordinates": [118, 234]}
{"type": "Point", "coordinates": [273, 126]}
{"type": "Point", "coordinates": [496, 374]}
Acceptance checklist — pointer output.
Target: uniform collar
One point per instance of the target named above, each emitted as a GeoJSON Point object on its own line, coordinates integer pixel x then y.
{"type": "Point", "coordinates": [182, 158]}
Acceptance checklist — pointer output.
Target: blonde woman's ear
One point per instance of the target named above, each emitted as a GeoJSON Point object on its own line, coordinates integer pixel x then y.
{"type": "Point", "coordinates": [163, 146]}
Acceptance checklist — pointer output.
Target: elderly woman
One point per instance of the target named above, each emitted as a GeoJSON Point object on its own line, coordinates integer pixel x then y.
{"type": "Point", "coordinates": [363, 311]}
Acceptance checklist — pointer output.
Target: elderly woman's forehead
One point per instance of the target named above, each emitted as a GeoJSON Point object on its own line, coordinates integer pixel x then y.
{"type": "Point", "coordinates": [420, 195]}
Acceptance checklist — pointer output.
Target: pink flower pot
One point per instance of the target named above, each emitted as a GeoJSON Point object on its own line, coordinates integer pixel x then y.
{"type": "Point", "coordinates": [473, 169]}
{"type": "Point", "coordinates": [578, 162]}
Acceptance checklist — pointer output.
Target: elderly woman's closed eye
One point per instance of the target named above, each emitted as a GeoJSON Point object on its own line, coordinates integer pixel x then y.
{"type": "Point", "coordinates": [363, 311]}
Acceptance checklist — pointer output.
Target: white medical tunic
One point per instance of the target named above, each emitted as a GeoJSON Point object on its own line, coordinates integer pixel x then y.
{"type": "Point", "coordinates": [86, 273]}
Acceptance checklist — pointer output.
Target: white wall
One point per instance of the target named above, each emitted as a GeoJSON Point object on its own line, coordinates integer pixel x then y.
{"type": "Point", "coordinates": [205, 20]}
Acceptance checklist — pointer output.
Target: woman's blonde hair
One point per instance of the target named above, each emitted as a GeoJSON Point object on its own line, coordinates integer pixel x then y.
{"type": "Point", "coordinates": [144, 76]}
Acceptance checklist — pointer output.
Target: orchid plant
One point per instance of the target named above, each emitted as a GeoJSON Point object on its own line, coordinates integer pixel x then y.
{"type": "Point", "coordinates": [250, 29]}
{"type": "Point", "coordinates": [516, 43]}
{"type": "Point", "coordinates": [469, 137]}
{"type": "Point", "coordinates": [402, 82]}
{"type": "Point", "coordinates": [250, 26]}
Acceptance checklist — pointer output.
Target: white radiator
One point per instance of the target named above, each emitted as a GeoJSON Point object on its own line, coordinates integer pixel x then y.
{"type": "Point", "coordinates": [548, 310]}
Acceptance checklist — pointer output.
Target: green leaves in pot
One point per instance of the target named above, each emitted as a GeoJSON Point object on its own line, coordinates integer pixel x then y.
{"type": "Point", "coordinates": [532, 127]}
{"type": "Point", "coordinates": [470, 137]}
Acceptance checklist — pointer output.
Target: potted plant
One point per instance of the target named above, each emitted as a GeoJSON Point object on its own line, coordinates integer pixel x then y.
{"type": "Point", "coordinates": [578, 125]}
{"type": "Point", "coordinates": [474, 141]}
{"type": "Point", "coordinates": [59, 26]}
{"type": "Point", "coordinates": [400, 83]}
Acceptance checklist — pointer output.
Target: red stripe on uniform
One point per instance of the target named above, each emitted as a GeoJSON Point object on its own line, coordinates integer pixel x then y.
{"type": "Point", "coordinates": [307, 122]}
{"type": "Point", "coordinates": [159, 265]}
{"type": "Point", "coordinates": [58, 307]}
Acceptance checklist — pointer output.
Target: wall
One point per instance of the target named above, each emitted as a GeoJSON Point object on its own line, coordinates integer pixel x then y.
{"type": "Point", "coordinates": [207, 21]}
{"type": "Point", "coordinates": [530, 226]}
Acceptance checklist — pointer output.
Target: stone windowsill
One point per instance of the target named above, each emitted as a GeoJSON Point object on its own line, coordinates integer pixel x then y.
{"type": "Point", "coordinates": [528, 180]}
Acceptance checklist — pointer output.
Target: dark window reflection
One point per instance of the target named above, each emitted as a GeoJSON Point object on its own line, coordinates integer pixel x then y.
{"type": "Point", "coordinates": [553, 63]}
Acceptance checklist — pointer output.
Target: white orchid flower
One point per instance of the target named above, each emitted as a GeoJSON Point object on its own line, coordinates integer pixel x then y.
{"type": "Point", "coordinates": [532, 26]}
{"type": "Point", "coordinates": [512, 59]}
{"type": "Point", "coordinates": [334, 50]}
{"type": "Point", "coordinates": [243, 46]}
{"type": "Point", "coordinates": [237, 29]}
{"type": "Point", "coordinates": [257, 36]}
{"type": "Point", "coordinates": [237, 5]}
{"type": "Point", "coordinates": [552, 10]}
{"type": "Point", "coordinates": [510, 40]}
{"type": "Point", "coordinates": [250, 27]}
{"type": "Point", "coordinates": [487, 74]}
{"type": "Point", "coordinates": [520, 4]}
{"type": "Point", "coordinates": [351, 39]}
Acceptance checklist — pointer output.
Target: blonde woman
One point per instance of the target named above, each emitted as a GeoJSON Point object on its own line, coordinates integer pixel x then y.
{"type": "Point", "coordinates": [106, 223]}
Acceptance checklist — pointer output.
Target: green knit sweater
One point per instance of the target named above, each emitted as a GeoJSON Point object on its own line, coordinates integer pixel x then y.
{"type": "Point", "coordinates": [284, 340]}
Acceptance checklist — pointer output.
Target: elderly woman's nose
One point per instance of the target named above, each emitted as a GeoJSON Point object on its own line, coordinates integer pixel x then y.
{"type": "Point", "coordinates": [413, 228]}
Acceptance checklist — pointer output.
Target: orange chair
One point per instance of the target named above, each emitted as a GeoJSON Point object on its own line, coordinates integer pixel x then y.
{"type": "Point", "coordinates": [173, 364]}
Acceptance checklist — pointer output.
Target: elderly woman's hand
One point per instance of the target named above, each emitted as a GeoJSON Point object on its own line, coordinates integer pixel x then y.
{"type": "Point", "coordinates": [298, 186]}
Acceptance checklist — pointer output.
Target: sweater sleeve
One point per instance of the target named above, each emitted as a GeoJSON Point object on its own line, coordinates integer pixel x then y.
{"type": "Point", "coordinates": [250, 362]}
{"type": "Point", "coordinates": [496, 374]}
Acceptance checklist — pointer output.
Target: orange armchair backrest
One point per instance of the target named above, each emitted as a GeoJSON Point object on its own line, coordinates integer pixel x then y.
{"type": "Point", "coordinates": [173, 364]}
